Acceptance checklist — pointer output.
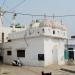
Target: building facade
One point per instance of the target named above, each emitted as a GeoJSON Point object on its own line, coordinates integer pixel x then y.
{"type": "Point", "coordinates": [70, 47]}
{"type": "Point", "coordinates": [40, 45]}
{"type": "Point", "coordinates": [4, 31]}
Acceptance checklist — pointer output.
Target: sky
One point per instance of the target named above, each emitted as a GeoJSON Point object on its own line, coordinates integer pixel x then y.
{"type": "Point", "coordinates": [41, 7]}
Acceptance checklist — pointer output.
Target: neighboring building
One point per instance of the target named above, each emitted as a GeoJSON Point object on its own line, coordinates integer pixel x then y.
{"type": "Point", "coordinates": [40, 45]}
{"type": "Point", "coordinates": [4, 31]}
{"type": "Point", "coordinates": [4, 34]}
{"type": "Point", "coordinates": [70, 46]}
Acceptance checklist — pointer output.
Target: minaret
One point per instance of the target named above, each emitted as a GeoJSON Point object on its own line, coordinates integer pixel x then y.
{"type": "Point", "coordinates": [14, 22]}
{"type": "Point", "coordinates": [45, 17]}
{"type": "Point", "coordinates": [53, 17]}
{"type": "Point", "coordinates": [61, 22]}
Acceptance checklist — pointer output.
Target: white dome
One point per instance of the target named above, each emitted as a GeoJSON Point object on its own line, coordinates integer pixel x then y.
{"type": "Point", "coordinates": [45, 23]}
{"type": "Point", "coordinates": [55, 24]}
{"type": "Point", "coordinates": [49, 23]}
{"type": "Point", "coordinates": [58, 25]}
{"type": "Point", "coordinates": [63, 27]}
{"type": "Point", "coordinates": [35, 25]}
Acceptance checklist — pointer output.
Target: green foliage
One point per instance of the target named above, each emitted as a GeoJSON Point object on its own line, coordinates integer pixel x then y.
{"type": "Point", "coordinates": [11, 26]}
{"type": "Point", "coordinates": [18, 25]}
{"type": "Point", "coordinates": [37, 20]}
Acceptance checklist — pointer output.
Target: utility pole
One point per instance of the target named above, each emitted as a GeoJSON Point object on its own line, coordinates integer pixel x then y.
{"type": "Point", "coordinates": [1, 34]}
{"type": "Point", "coordinates": [1, 25]}
{"type": "Point", "coordinates": [1, 15]}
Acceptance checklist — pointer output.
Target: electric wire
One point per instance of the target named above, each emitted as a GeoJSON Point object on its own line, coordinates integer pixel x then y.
{"type": "Point", "coordinates": [40, 15]}
{"type": "Point", "coordinates": [32, 15]}
{"type": "Point", "coordinates": [3, 3]}
{"type": "Point", "coordinates": [16, 6]}
{"type": "Point", "coordinates": [7, 20]}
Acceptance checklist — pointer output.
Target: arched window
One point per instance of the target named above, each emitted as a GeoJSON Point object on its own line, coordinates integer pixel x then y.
{"type": "Point", "coordinates": [53, 31]}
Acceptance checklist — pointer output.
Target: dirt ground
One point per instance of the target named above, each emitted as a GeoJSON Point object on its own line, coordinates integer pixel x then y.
{"type": "Point", "coordinates": [28, 70]}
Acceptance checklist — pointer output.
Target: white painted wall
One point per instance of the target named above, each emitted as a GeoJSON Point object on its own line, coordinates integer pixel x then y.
{"type": "Point", "coordinates": [49, 46]}
{"type": "Point", "coordinates": [35, 47]}
{"type": "Point", "coordinates": [71, 41]}
{"type": "Point", "coordinates": [61, 48]}
{"type": "Point", "coordinates": [6, 31]}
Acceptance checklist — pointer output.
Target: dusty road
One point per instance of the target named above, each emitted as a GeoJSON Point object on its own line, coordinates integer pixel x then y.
{"type": "Point", "coordinates": [27, 70]}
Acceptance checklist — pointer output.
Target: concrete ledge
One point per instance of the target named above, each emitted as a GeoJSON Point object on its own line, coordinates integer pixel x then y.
{"type": "Point", "coordinates": [68, 70]}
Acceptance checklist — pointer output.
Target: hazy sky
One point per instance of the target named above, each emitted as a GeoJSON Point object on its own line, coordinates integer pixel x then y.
{"type": "Point", "coordinates": [48, 7]}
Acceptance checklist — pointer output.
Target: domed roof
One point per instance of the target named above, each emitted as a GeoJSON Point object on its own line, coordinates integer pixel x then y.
{"type": "Point", "coordinates": [34, 23]}
{"type": "Point", "coordinates": [56, 24]}
{"type": "Point", "coordinates": [63, 27]}
{"type": "Point", "coordinates": [49, 23]}
{"type": "Point", "coordinates": [45, 23]}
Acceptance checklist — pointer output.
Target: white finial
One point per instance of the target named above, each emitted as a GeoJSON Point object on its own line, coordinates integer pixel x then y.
{"type": "Point", "coordinates": [53, 17]}
{"type": "Point", "coordinates": [61, 21]}
{"type": "Point", "coordinates": [45, 16]}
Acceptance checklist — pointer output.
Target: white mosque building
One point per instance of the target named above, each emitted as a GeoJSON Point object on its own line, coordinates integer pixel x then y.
{"type": "Point", "coordinates": [41, 44]}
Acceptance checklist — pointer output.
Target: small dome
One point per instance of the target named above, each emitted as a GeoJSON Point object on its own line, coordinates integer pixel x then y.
{"type": "Point", "coordinates": [58, 25]}
{"type": "Point", "coordinates": [35, 25]}
{"type": "Point", "coordinates": [49, 23]}
{"type": "Point", "coordinates": [45, 23]}
{"type": "Point", "coordinates": [63, 27]}
{"type": "Point", "coordinates": [55, 24]}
